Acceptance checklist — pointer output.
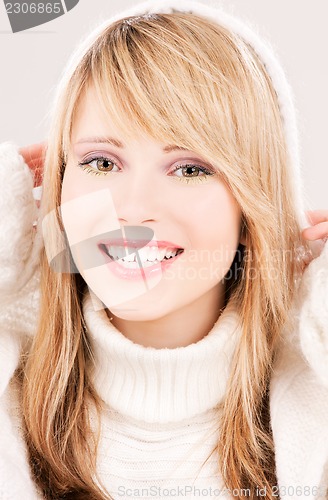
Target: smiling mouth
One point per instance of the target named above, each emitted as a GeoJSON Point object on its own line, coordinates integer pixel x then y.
{"type": "Point", "coordinates": [123, 255]}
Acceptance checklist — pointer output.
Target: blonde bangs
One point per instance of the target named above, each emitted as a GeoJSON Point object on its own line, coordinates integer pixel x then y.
{"type": "Point", "coordinates": [193, 98]}
{"type": "Point", "coordinates": [211, 97]}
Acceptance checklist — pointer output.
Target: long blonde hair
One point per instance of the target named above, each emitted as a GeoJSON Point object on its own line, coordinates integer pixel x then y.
{"type": "Point", "coordinates": [182, 79]}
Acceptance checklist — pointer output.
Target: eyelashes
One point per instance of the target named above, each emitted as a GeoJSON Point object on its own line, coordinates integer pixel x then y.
{"type": "Point", "coordinates": [192, 166]}
{"type": "Point", "coordinates": [86, 165]}
{"type": "Point", "coordinates": [104, 163]}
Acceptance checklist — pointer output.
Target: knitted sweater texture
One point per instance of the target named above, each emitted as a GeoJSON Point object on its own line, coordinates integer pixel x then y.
{"type": "Point", "coordinates": [159, 427]}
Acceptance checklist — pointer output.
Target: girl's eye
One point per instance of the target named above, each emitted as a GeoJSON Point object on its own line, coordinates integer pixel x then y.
{"type": "Point", "coordinates": [102, 165]}
{"type": "Point", "coordinates": [192, 173]}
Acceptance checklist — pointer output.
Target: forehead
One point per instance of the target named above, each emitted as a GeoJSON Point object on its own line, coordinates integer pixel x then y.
{"type": "Point", "coordinates": [90, 118]}
{"type": "Point", "coordinates": [95, 118]}
{"type": "Point", "coordinates": [92, 124]}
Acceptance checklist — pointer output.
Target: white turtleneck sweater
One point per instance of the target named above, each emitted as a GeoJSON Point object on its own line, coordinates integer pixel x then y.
{"type": "Point", "coordinates": [160, 424]}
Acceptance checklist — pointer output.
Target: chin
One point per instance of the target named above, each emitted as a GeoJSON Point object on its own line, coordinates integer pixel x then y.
{"type": "Point", "coordinates": [136, 314]}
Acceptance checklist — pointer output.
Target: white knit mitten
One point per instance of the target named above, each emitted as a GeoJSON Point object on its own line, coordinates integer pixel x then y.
{"type": "Point", "coordinates": [313, 318]}
{"type": "Point", "coordinates": [19, 242]}
{"type": "Point", "coordinates": [19, 257]}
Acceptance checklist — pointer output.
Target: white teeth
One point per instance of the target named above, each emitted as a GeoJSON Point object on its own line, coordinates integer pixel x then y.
{"type": "Point", "coordinates": [161, 254]}
{"type": "Point", "coordinates": [143, 253]}
{"type": "Point", "coordinates": [146, 254]}
{"type": "Point", "coordinates": [130, 257]}
{"type": "Point", "coordinates": [153, 254]}
{"type": "Point", "coordinates": [116, 252]}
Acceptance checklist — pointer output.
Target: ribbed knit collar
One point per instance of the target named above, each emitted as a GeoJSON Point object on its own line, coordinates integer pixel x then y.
{"type": "Point", "coordinates": [160, 385]}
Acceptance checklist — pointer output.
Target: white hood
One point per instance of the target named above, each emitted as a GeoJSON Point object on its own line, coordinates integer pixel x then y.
{"type": "Point", "coordinates": [249, 34]}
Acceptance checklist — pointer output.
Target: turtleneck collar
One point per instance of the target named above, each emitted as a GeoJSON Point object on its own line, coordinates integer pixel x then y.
{"type": "Point", "coordinates": [160, 385]}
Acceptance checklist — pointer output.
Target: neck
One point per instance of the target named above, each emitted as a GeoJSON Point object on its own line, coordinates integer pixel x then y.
{"type": "Point", "coordinates": [179, 328]}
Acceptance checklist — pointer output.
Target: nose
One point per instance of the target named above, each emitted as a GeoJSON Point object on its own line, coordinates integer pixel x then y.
{"type": "Point", "coordinates": [136, 202]}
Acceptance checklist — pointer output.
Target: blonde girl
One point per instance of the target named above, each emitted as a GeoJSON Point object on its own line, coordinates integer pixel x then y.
{"type": "Point", "coordinates": [161, 334]}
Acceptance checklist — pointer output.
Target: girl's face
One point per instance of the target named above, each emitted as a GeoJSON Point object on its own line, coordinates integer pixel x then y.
{"type": "Point", "coordinates": [167, 196]}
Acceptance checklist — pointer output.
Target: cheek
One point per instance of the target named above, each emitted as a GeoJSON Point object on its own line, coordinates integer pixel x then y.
{"type": "Point", "coordinates": [214, 221]}
{"type": "Point", "coordinates": [73, 185]}
{"type": "Point", "coordinates": [87, 210]}
{"type": "Point", "coordinates": [73, 207]}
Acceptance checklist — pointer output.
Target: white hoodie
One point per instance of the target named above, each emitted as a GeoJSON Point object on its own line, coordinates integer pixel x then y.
{"type": "Point", "coordinates": [158, 430]}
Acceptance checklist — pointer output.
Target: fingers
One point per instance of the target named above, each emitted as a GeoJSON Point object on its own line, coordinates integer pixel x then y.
{"type": "Point", "coordinates": [316, 216]}
{"type": "Point", "coordinates": [317, 232]}
{"type": "Point", "coordinates": [319, 228]}
{"type": "Point", "coordinates": [34, 156]}
{"type": "Point", "coordinates": [33, 152]}
{"type": "Point", "coordinates": [38, 175]}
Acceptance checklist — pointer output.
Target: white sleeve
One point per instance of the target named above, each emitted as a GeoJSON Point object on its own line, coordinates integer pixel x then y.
{"type": "Point", "coordinates": [313, 315]}
{"type": "Point", "coordinates": [20, 247]}
{"type": "Point", "coordinates": [20, 243]}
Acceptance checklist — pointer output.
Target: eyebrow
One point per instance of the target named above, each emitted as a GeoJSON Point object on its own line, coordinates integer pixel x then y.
{"type": "Point", "coordinates": [118, 144]}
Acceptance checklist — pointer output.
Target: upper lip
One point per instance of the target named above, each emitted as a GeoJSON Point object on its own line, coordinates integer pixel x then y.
{"type": "Point", "coordinates": [138, 243]}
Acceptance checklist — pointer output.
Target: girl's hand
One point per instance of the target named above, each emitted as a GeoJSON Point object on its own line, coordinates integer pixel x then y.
{"type": "Point", "coordinates": [34, 157]}
{"type": "Point", "coordinates": [319, 225]}
{"type": "Point", "coordinates": [317, 233]}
